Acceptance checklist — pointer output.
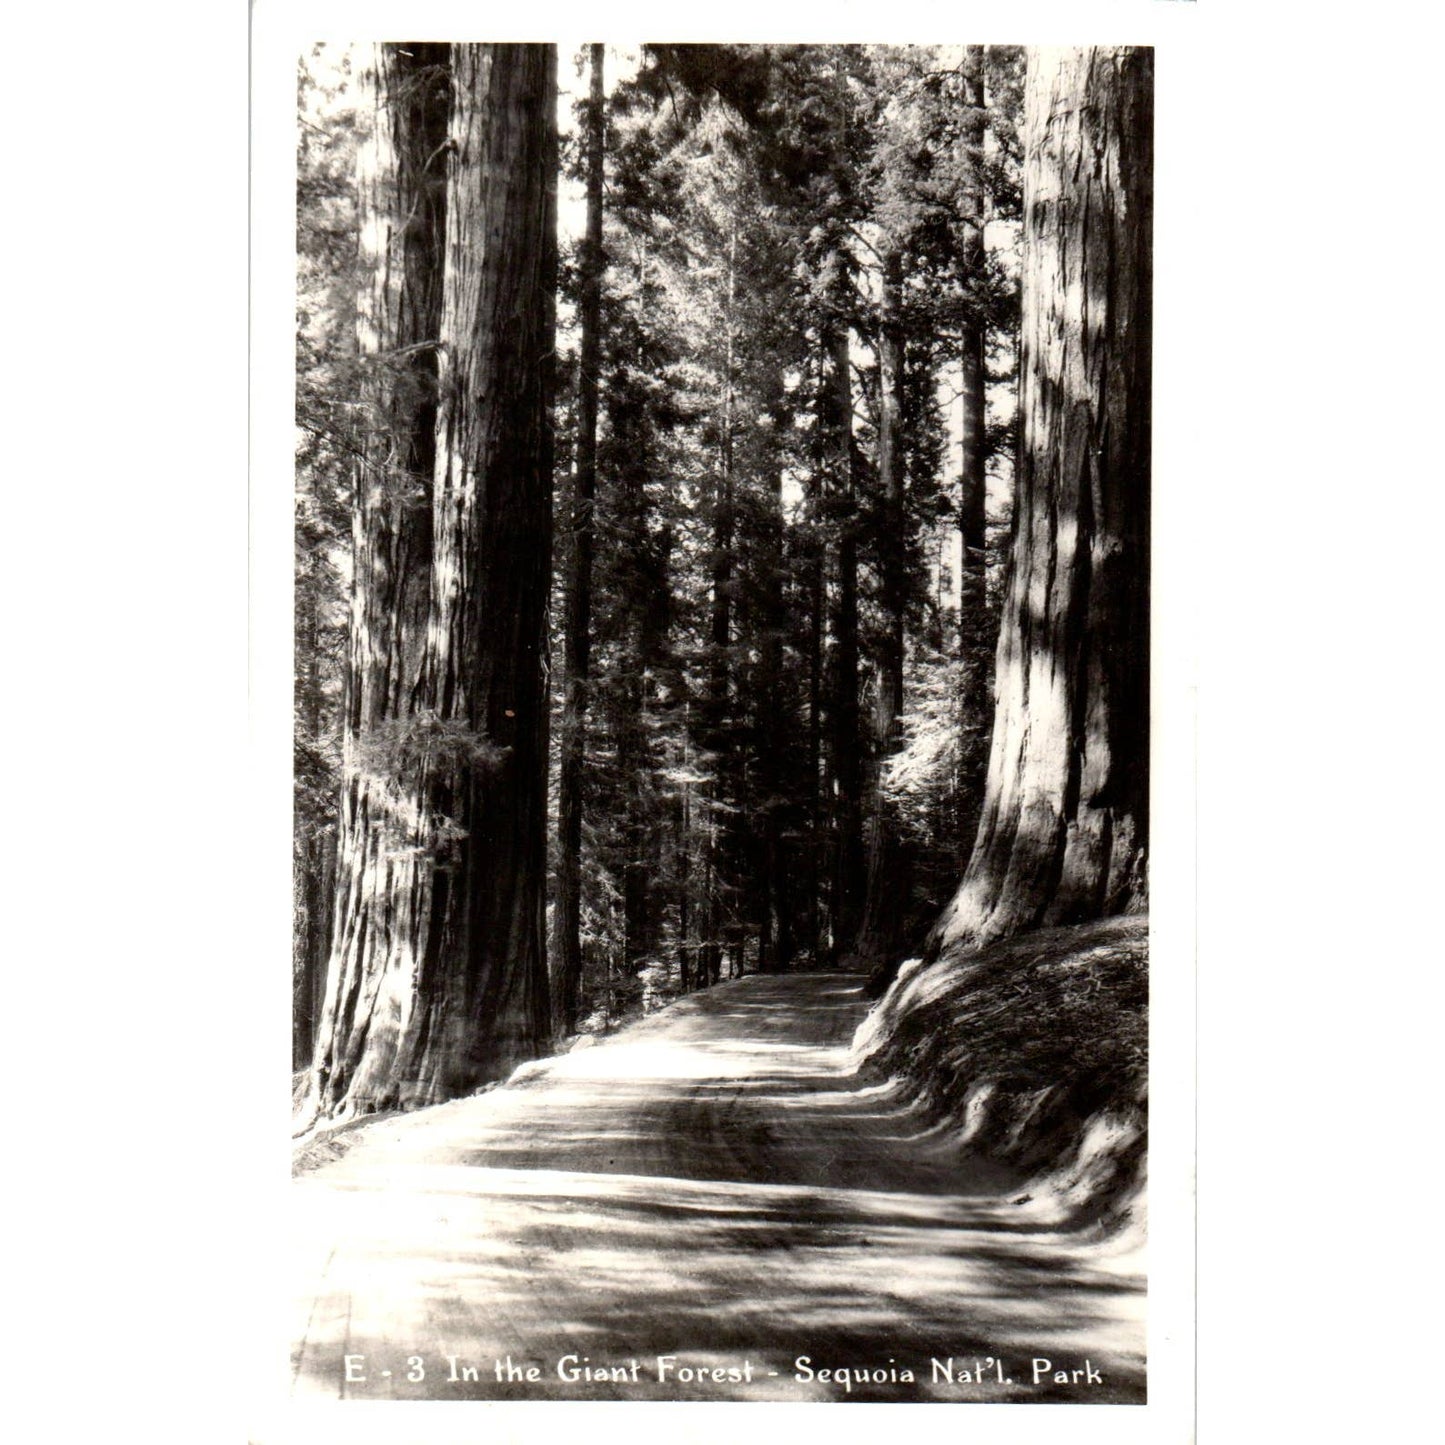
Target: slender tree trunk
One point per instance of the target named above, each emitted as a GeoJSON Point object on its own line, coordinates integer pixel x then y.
{"type": "Point", "coordinates": [1065, 823]}
{"type": "Point", "coordinates": [578, 649]}
{"type": "Point", "coordinates": [684, 881]}
{"type": "Point", "coordinates": [718, 704]}
{"type": "Point", "coordinates": [639, 825]}
{"type": "Point", "coordinates": [880, 928]}
{"type": "Point", "coordinates": [438, 978]}
{"type": "Point", "coordinates": [975, 626]}
{"type": "Point", "coordinates": [845, 759]}
{"type": "Point", "coordinates": [812, 866]}
{"type": "Point", "coordinates": [812, 602]}
{"type": "Point", "coordinates": [775, 943]}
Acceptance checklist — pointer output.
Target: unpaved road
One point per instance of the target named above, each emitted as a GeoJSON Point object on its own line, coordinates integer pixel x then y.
{"type": "Point", "coordinates": [711, 1189]}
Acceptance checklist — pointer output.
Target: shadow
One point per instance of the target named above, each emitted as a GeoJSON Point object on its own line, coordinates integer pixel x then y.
{"type": "Point", "coordinates": [714, 1184]}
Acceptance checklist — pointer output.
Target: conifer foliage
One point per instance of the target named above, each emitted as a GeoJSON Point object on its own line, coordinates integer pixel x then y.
{"type": "Point", "coordinates": [649, 575]}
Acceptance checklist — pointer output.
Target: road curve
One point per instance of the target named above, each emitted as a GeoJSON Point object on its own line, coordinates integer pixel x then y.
{"type": "Point", "coordinates": [686, 1211]}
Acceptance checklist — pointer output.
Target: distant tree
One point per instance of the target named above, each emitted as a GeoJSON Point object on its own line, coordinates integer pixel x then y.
{"type": "Point", "coordinates": [577, 655]}
{"type": "Point", "coordinates": [326, 440]}
{"type": "Point", "coordinates": [1064, 831]}
{"type": "Point", "coordinates": [975, 632]}
{"type": "Point", "coordinates": [438, 979]}
{"type": "Point", "coordinates": [886, 884]}
{"type": "Point", "coordinates": [759, 702]}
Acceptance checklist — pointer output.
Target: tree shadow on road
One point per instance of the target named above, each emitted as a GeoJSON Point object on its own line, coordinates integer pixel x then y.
{"type": "Point", "coordinates": [725, 1189]}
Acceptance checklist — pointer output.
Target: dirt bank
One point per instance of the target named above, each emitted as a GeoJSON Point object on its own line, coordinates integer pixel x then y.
{"type": "Point", "coordinates": [1033, 1052]}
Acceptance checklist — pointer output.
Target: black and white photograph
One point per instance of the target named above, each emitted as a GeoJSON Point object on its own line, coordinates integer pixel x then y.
{"type": "Point", "coordinates": [722, 724]}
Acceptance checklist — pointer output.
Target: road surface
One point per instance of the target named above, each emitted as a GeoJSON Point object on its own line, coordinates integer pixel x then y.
{"type": "Point", "coordinates": [688, 1210]}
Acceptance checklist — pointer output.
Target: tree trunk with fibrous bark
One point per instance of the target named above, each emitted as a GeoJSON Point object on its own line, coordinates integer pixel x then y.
{"type": "Point", "coordinates": [437, 981]}
{"type": "Point", "coordinates": [1064, 832]}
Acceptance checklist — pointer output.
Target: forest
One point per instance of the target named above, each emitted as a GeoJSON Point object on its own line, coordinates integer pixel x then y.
{"type": "Point", "coordinates": [722, 525]}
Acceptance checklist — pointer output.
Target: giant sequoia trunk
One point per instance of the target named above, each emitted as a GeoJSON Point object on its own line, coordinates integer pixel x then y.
{"type": "Point", "coordinates": [437, 980]}
{"type": "Point", "coordinates": [1064, 829]}
{"type": "Point", "coordinates": [401, 197]}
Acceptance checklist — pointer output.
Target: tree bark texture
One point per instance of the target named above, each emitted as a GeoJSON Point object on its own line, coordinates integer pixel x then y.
{"type": "Point", "coordinates": [1064, 831]}
{"type": "Point", "coordinates": [438, 976]}
{"type": "Point", "coordinates": [313, 892]}
{"type": "Point", "coordinates": [401, 189]}
{"type": "Point", "coordinates": [578, 646]}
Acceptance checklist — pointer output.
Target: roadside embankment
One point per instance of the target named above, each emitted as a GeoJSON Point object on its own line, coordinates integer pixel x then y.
{"type": "Point", "coordinates": [1034, 1052]}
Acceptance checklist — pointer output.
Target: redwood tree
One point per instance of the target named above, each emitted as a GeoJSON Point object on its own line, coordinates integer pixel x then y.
{"type": "Point", "coordinates": [437, 980]}
{"type": "Point", "coordinates": [1064, 830]}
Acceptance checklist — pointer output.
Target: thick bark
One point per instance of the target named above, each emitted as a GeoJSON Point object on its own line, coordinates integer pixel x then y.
{"type": "Point", "coordinates": [885, 891]}
{"type": "Point", "coordinates": [438, 975]}
{"type": "Point", "coordinates": [578, 647]}
{"type": "Point", "coordinates": [1064, 830]}
{"type": "Point", "coordinates": [401, 193]}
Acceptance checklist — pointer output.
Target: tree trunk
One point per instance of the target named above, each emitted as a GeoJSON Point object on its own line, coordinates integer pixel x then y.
{"type": "Point", "coordinates": [314, 892]}
{"type": "Point", "coordinates": [1064, 830]}
{"type": "Point", "coordinates": [776, 933]}
{"type": "Point", "coordinates": [885, 892]}
{"type": "Point", "coordinates": [638, 822]}
{"type": "Point", "coordinates": [313, 853]}
{"type": "Point", "coordinates": [812, 872]}
{"type": "Point", "coordinates": [975, 632]}
{"type": "Point", "coordinates": [577, 655]}
{"type": "Point", "coordinates": [845, 759]}
{"type": "Point", "coordinates": [401, 194]}
{"type": "Point", "coordinates": [719, 739]}
{"type": "Point", "coordinates": [438, 976]}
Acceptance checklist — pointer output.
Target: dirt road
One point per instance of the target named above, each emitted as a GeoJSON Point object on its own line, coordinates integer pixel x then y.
{"type": "Point", "coordinates": [688, 1211]}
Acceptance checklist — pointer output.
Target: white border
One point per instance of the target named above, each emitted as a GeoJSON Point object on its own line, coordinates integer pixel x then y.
{"type": "Point", "coordinates": [279, 34]}
{"type": "Point", "coordinates": [139, 1139]}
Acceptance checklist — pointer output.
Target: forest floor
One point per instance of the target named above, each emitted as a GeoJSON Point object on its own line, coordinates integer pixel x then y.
{"type": "Point", "coordinates": [715, 1188]}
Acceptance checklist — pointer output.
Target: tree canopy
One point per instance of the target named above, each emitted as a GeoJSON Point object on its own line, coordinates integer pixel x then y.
{"type": "Point", "coordinates": [742, 700]}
